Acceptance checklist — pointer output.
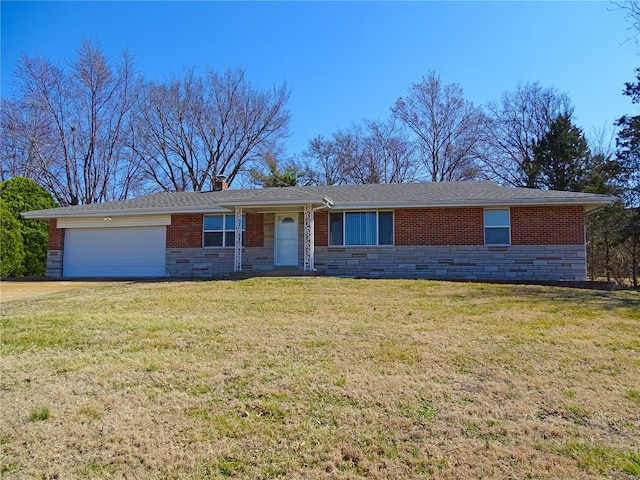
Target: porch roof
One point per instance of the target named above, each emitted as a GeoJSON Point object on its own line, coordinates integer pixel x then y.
{"type": "Point", "coordinates": [271, 205]}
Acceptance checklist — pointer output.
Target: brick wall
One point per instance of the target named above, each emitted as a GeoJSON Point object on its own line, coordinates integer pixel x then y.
{"type": "Point", "coordinates": [439, 226]}
{"type": "Point", "coordinates": [553, 225]}
{"type": "Point", "coordinates": [321, 228]}
{"type": "Point", "coordinates": [56, 235]}
{"type": "Point", "coordinates": [254, 230]}
{"type": "Point", "coordinates": [185, 231]}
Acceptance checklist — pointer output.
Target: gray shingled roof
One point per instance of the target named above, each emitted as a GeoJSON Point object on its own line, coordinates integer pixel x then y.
{"type": "Point", "coordinates": [469, 193]}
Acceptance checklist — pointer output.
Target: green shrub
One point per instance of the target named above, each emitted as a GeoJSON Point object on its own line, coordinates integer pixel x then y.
{"type": "Point", "coordinates": [11, 245]}
{"type": "Point", "coordinates": [23, 195]}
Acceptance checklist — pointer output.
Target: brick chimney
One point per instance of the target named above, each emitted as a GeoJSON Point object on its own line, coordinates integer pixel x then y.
{"type": "Point", "coordinates": [220, 183]}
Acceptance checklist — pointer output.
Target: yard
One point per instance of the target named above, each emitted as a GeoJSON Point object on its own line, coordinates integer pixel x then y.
{"type": "Point", "coordinates": [321, 378]}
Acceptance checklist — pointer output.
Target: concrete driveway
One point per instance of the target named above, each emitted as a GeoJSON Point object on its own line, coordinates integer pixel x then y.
{"type": "Point", "coordinates": [17, 289]}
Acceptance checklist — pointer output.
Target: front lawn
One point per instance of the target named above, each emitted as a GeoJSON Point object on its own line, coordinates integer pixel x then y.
{"type": "Point", "coordinates": [321, 378]}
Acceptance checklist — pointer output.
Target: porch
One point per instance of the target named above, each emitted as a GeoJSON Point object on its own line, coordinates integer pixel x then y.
{"type": "Point", "coordinates": [288, 238]}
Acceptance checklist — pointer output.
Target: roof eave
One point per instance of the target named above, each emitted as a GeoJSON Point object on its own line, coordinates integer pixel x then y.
{"type": "Point", "coordinates": [48, 214]}
{"type": "Point", "coordinates": [588, 203]}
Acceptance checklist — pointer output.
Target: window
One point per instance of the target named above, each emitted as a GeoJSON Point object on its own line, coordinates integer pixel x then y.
{"type": "Point", "coordinates": [219, 230]}
{"type": "Point", "coordinates": [497, 229]}
{"type": "Point", "coordinates": [361, 228]}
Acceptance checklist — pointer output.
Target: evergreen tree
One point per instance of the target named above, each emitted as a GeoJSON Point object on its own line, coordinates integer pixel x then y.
{"type": "Point", "coordinates": [22, 195]}
{"type": "Point", "coordinates": [11, 247]}
{"type": "Point", "coordinates": [518, 122]}
{"type": "Point", "coordinates": [274, 176]}
{"type": "Point", "coordinates": [562, 157]}
{"type": "Point", "coordinates": [628, 143]}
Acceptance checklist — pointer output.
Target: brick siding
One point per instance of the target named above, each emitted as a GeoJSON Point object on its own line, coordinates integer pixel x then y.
{"type": "Point", "coordinates": [185, 231]}
{"type": "Point", "coordinates": [254, 230]}
{"type": "Point", "coordinates": [56, 235]}
{"type": "Point", "coordinates": [439, 226]}
{"type": "Point", "coordinates": [553, 225]}
{"type": "Point", "coordinates": [321, 228]}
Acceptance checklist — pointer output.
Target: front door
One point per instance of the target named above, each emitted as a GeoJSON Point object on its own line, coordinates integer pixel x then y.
{"type": "Point", "coordinates": [286, 239]}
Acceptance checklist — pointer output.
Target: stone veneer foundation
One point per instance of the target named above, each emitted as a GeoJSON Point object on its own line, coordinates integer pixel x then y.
{"type": "Point", "coordinates": [54, 263]}
{"type": "Point", "coordinates": [539, 262]}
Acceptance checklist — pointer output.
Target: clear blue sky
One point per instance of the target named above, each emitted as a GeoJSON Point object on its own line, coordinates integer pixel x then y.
{"type": "Point", "coordinates": [345, 62]}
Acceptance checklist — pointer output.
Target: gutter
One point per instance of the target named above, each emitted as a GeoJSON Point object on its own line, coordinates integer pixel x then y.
{"type": "Point", "coordinates": [128, 212]}
{"type": "Point", "coordinates": [325, 201]}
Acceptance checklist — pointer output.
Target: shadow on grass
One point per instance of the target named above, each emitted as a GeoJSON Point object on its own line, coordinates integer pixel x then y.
{"type": "Point", "coordinates": [603, 299]}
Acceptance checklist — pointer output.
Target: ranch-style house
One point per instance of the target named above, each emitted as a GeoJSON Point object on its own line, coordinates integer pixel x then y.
{"type": "Point", "coordinates": [448, 230]}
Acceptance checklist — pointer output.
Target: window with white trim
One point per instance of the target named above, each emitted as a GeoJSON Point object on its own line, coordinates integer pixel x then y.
{"type": "Point", "coordinates": [497, 226]}
{"type": "Point", "coordinates": [361, 228]}
{"type": "Point", "coordinates": [220, 230]}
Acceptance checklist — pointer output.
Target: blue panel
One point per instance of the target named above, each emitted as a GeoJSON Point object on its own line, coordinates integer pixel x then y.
{"type": "Point", "coordinates": [212, 239]}
{"type": "Point", "coordinates": [360, 228]}
{"type": "Point", "coordinates": [385, 228]}
{"type": "Point", "coordinates": [496, 218]}
{"type": "Point", "coordinates": [335, 229]}
{"type": "Point", "coordinates": [213, 222]}
{"type": "Point", "coordinates": [496, 236]}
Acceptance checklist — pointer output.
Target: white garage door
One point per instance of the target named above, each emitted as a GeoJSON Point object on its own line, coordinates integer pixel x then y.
{"type": "Point", "coordinates": [115, 252]}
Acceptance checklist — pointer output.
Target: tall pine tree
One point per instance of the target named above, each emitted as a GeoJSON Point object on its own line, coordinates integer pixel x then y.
{"type": "Point", "coordinates": [628, 143]}
{"type": "Point", "coordinates": [562, 157]}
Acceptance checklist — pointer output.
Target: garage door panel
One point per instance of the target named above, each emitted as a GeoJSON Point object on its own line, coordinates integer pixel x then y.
{"type": "Point", "coordinates": [111, 252]}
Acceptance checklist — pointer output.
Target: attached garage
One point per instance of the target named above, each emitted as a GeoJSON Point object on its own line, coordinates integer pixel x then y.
{"type": "Point", "coordinates": [115, 252]}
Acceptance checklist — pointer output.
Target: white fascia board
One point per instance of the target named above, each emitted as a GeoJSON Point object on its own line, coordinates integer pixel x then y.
{"type": "Point", "coordinates": [128, 212]}
{"type": "Point", "coordinates": [587, 204]}
{"type": "Point", "coordinates": [110, 221]}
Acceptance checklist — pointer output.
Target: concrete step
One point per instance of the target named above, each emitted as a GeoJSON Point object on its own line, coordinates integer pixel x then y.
{"type": "Point", "coordinates": [280, 272]}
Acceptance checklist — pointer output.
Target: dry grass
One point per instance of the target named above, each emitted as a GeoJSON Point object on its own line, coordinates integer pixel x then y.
{"type": "Point", "coordinates": [11, 290]}
{"type": "Point", "coordinates": [321, 378]}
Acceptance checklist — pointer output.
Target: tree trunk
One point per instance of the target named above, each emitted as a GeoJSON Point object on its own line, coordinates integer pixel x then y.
{"type": "Point", "coordinates": [606, 256]}
{"type": "Point", "coordinates": [634, 243]}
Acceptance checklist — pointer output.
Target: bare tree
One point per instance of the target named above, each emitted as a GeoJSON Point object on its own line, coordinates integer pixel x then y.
{"type": "Point", "coordinates": [631, 9]}
{"type": "Point", "coordinates": [192, 129]}
{"type": "Point", "coordinates": [376, 152]}
{"type": "Point", "coordinates": [323, 163]}
{"type": "Point", "coordinates": [395, 154]}
{"type": "Point", "coordinates": [449, 130]}
{"type": "Point", "coordinates": [372, 152]}
{"type": "Point", "coordinates": [15, 131]}
{"type": "Point", "coordinates": [517, 123]}
{"type": "Point", "coordinates": [67, 128]}
{"type": "Point", "coordinates": [352, 153]}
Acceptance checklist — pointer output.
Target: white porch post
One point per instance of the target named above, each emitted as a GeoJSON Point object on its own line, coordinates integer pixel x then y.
{"type": "Point", "coordinates": [309, 265]}
{"type": "Point", "coordinates": [237, 250]}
